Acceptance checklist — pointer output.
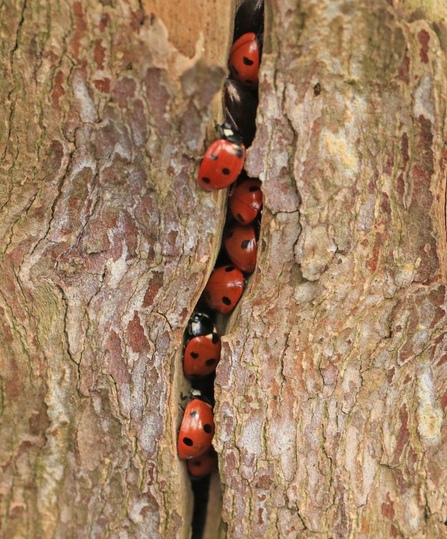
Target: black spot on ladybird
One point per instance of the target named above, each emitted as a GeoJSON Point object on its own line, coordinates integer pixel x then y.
{"type": "Point", "coordinates": [245, 244]}
{"type": "Point", "coordinates": [253, 188]}
{"type": "Point", "coordinates": [226, 300]}
{"type": "Point", "coordinates": [207, 428]}
{"type": "Point", "coordinates": [194, 355]}
{"type": "Point", "coordinates": [247, 61]}
{"type": "Point", "coordinates": [205, 180]}
{"type": "Point", "coordinates": [226, 171]}
{"type": "Point", "coordinates": [210, 362]}
{"type": "Point", "coordinates": [188, 442]}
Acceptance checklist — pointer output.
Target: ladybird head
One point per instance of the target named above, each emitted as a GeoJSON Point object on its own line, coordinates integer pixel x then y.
{"type": "Point", "coordinates": [200, 324]}
{"type": "Point", "coordinates": [226, 132]}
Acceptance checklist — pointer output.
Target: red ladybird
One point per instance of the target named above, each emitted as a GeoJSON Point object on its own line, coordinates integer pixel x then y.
{"type": "Point", "coordinates": [203, 465]}
{"type": "Point", "coordinates": [196, 430]}
{"type": "Point", "coordinates": [224, 289]}
{"type": "Point", "coordinates": [202, 349]}
{"type": "Point", "coordinates": [244, 60]}
{"type": "Point", "coordinates": [223, 161]}
{"type": "Point", "coordinates": [242, 247]}
{"type": "Point", "coordinates": [245, 202]}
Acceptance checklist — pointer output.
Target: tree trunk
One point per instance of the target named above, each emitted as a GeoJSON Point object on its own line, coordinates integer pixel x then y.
{"type": "Point", "coordinates": [331, 391]}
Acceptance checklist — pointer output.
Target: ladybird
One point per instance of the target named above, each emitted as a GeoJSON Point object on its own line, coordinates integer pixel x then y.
{"type": "Point", "coordinates": [196, 430]}
{"type": "Point", "coordinates": [223, 161]}
{"type": "Point", "coordinates": [245, 202]}
{"type": "Point", "coordinates": [240, 104]}
{"type": "Point", "coordinates": [249, 18]}
{"type": "Point", "coordinates": [199, 324]}
{"type": "Point", "coordinates": [245, 56]}
{"type": "Point", "coordinates": [242, 247]}
{"type": "Point", "coordinates": [202, 466]}
{"type": "Point", "coordinates": [202, 348]}
{"type": "Point", "coordinates": [224, 289]}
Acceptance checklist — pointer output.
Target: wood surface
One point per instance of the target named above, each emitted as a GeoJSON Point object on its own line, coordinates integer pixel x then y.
{"type": "Point", "coordinates": [331, 392]}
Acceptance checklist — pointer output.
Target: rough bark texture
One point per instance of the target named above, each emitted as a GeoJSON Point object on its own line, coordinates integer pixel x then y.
{"type": "Point", "coordinates": [106, 244]}
{"type": "Point", "coordinates": [331, 392]}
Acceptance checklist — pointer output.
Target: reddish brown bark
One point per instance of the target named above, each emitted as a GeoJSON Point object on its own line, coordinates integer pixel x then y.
{"type": "Point", "coordinates": [331, 391]}
{"type": "Point", "coordinates": [106, 245]}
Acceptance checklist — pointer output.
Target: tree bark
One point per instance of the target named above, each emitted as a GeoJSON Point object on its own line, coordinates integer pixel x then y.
{"type": "Point", "coordinates": [107, 243]}
{"type": "Point", "coordinates": [331, 391]}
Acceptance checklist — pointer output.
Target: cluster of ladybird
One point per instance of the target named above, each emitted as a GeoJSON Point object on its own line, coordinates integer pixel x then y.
{"type": "Point", "coordinates": [221, 167]}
